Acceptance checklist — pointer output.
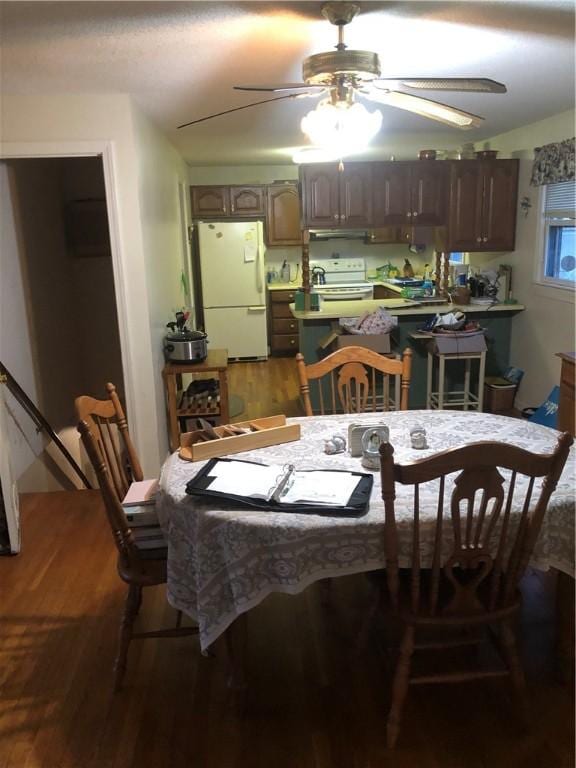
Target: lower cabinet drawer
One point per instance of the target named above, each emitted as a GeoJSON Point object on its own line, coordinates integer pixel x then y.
{"type": "Point", "coordinates": [284, 326]}
{"type": "Point", "coordinates": [284, 343]}
{"type": "Point", "coordinates": [282, 311]}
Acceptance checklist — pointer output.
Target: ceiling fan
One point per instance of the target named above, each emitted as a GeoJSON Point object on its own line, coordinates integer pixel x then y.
{"type": "Point", "coordinates": [344, 74]}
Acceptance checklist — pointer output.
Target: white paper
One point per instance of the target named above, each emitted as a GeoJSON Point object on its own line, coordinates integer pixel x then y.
{"type": "Point", "coordinates": [244, 479]}
{"type": "Point", "coordinates": [250, 251]}
{"type": "Point", "coordinates": [320, 487]}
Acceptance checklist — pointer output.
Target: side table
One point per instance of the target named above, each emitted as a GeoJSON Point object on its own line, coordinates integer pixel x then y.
{"type": "Point", "coordinates": [215, 362]}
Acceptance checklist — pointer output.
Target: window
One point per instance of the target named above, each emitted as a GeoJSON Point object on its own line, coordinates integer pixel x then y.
{"type": "Point", "coordinates": [558, 263]}
{"type": "Point", "coordinates": [456, 257]}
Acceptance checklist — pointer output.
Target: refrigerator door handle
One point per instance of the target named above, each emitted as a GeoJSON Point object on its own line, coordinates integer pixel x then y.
{"type": "Point", "coordinates": [259, 270]}
{"type": "Point", "coordinates": [257, 309]}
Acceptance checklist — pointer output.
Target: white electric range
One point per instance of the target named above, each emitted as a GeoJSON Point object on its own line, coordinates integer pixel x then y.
{"type": "Point", "coordinates": [344, 279]}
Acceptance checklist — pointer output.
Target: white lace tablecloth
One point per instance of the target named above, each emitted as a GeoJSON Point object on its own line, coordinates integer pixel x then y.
{"type": "Point", "coordinates": [222, 562]}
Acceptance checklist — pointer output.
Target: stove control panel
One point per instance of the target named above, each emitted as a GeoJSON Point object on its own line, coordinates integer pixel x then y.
{"type": "Point", "coordinates": [346, 264]}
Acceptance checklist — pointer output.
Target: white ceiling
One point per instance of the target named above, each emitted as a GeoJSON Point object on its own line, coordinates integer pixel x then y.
{"type": "Point", "coordinates": [179, 61]}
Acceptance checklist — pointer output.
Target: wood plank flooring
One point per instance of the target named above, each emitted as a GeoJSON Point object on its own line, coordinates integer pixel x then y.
{"type": "Point", "coordinates": [313, 700]}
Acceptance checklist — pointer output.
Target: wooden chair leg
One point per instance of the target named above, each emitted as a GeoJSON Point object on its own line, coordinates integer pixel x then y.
{"type": "Point", "coordinates": [510, 649]}
{"type": "Point", "coordinates": [138, 600]}
{"type": "Point", "coordinates": [400, 686]}
{"type": "Point", "coordinates": [133, 599]}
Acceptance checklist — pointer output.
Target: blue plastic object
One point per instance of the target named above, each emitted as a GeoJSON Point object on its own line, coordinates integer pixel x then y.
{"type": "Point", "coordinates": [547, 413]}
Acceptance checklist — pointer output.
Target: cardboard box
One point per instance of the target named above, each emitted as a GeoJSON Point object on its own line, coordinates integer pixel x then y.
{"type": "Point", "coordinates": [459, 343]}
{"type": "Point", "coordinates": [379, 342]}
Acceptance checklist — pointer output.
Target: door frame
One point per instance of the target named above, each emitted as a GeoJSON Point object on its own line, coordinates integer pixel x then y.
{"type": "Point", "coordinates": [105, 150]}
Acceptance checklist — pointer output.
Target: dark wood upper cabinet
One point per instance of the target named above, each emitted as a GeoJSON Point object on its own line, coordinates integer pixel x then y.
{"type": "Point", "coordinates": [210, 201]}
{"type": "Point", "coordinates": [283, 214]}
{"type": "Point", "coordinates": [482, 208]}
{"type": "Point", "coordinates": [247, 201]}
{"type": "Point", "coordinates": [410, 193]}
{"type": "Point", "coordinates": [333, 198]}
{"type": "Point", "coordinates": [227, 201]}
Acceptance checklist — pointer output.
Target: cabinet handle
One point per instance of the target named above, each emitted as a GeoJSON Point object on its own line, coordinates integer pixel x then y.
{"type": "Point", "coordinates": [231, 208]}
{"type": "Point", "coordinates": [290, 296]}
{"type": "Point", "coordinates": [415, 214]}
{"type": "Point", "coordinates": [292, 341]}
{"type": "Point", "coordinates": [336, 216]}
{"type": "Point", "coordinates": [478, 239]}
{"type": "Point", "coordinates": [485, 239]}
{"type": "Point", "coordinates": [409, 214]}
{"type": "Point", "coordinates": [292, 326]}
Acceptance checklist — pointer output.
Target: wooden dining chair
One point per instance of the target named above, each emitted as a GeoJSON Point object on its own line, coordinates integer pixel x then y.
{"type": "Point", "coordinates": [355, 380]}
{"type": "Point", "coordinates": [105, 435]}
{"type": "Point", "coordinates": [108, 425]}
{"type": "Point", "coordinates": [479, 544]}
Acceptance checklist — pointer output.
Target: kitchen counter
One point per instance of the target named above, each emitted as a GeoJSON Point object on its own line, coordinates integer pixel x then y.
{"type": "Point", "coordinates": [398, 307]}
{"type": "Point", "coordinates": [283, 286]}
{"type": "Point", "coordinates": [315, 327]}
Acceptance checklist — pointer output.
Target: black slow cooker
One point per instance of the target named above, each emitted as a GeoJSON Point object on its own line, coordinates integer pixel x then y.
{"type": "Point", "coordinates": [185, 346]}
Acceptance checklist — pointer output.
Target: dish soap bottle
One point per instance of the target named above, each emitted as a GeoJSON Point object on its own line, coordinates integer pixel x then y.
{"type": "Point", "coordinates": [407, 270]}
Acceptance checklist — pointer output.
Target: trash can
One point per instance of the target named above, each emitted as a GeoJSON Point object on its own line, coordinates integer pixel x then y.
{"type": "Point", "coordinates": [499, 394]}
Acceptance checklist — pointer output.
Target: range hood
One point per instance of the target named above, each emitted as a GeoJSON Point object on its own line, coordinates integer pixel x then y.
{"type": "Point", "coordinates": [320, 235]}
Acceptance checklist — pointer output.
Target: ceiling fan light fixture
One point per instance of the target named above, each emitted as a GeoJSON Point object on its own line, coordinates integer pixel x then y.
{"type": "Point", "coordinates": [341, 127]}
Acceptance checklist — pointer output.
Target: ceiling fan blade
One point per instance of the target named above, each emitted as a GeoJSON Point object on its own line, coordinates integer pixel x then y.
{"type": "Point", "coordinates": [244, 106]}
{"type": "Point", "coordinates": [283, 87]}
{"type": "Point", "coordinates": [464, 84]}
{"type": "Point", "coordinates": [435, 110]}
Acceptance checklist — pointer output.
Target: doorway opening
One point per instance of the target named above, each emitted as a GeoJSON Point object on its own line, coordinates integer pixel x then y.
{"type": "Point", "coordinates": [59, 335]}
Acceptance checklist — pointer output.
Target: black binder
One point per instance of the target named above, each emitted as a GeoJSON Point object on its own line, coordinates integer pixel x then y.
{"type": "Point", "coordinates": [356, 505]}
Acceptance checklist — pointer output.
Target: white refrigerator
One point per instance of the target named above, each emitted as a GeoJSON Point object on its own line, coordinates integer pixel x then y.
{"type": "Point", "coordinates": [233, 287]}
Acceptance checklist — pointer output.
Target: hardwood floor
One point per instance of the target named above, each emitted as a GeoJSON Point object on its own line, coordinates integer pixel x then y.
{"type": "Point", "coordinates": [313, 700]}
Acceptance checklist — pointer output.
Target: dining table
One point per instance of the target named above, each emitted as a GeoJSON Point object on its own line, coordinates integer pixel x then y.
{"type": "Point", "coordinates": [224, 559]}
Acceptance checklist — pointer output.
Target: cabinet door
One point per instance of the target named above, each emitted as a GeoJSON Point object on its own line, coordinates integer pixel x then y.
{"type": "Point", "coordinates": [356, 195]}
{"type": "Point", "coordinates": [283, 215]}
{"type": "Point", "coordinates": [428, 192]}
{"type": "Point", "coordinates": [210, 201]}
{"type": "Point", "coordinates": [391, 194]}
{"type": "Point", "coordinates": [320, 195]}
{"type": "Point", "coordinates": [500, 192]}
{"type": "Point", "coordinates": [465, 206]}
{"type": "Point", "coordinates": [247, 201]}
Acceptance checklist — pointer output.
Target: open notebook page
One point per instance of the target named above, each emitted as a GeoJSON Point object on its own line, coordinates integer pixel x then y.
{"type": "Point", "coordinates": [258, 481]}
{"type": "Point", "coordinates": [320, 487]}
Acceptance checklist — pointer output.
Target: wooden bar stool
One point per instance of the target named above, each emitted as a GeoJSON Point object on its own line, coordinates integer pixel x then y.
{"type": "Point", "coordinates": [465, 398]}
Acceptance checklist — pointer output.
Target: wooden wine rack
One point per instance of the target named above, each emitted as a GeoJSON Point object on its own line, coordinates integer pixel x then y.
{"type": "Point", "coordinates": [180, 407]}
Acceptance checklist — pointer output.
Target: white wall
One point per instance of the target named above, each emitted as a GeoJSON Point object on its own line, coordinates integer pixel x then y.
{"type": "Point", "coordinates": [160, 170]}
{"type": "Point", "coordinates": [137, 155]}
{"type": "Point", "coordinates": [547, 325]}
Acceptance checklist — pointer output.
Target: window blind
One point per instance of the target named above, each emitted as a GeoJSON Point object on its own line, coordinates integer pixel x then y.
{"type": "Point", "coordinates": [561, 200]}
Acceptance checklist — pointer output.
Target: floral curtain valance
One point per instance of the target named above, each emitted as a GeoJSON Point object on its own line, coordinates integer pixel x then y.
{"type": "Point", "coordinates": [553, 163]}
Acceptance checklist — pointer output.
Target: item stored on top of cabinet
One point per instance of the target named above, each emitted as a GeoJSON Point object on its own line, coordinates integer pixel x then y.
{"type": "Point", "coordinates": [333, 198]}
{"type": "Point", "coordinates": [213, 402]}
{"type": "Point", "coordinates": [482, 207]}
{"type": "Point", "coordinates": [201, 444]}
{"type": "Point", "coordinates": [283, 328]}
{"type": "Point", "coordinates": [427, 154]}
